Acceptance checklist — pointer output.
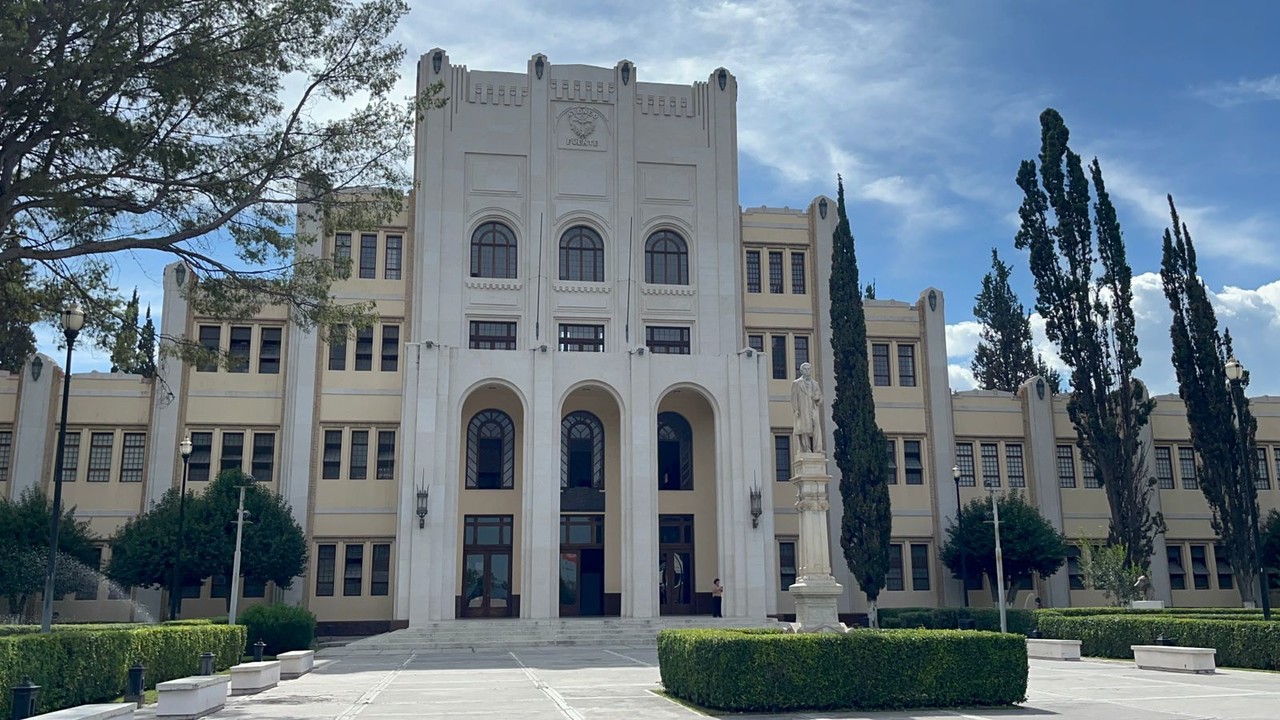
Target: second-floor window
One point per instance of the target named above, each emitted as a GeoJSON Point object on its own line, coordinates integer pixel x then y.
{"type": "Point", "coordinates": [779, 357]}
{"type": "Point", "coordinates": [581, 255]}
{"type": "Point", "coordinates": [775, 272]}
{"type": "Point", "coordinates": [493, 251]}
{"type": "Point", "coordinates": [492, 335]}
{"type": "Point", "coordinates": [753, 271]}
{"type": "Point", "coordinates": [880, 364]}
{"type": "Point", "coordinates": [390, 360]}
{"type": "Point", "coordinates": [797, 273]}
{"type": "Point", "coordinates": [100, 448]}
{"type": "Point", "coordinates": [667, 340]}
{"type": "Point", "coordinates": [581, 338]}
{"type": "Point", "coordinates": [394, 256]}
{"type": "Point", "coordinates": [666, 259]}
{"type": "Point", "coordinates": [368, 256]}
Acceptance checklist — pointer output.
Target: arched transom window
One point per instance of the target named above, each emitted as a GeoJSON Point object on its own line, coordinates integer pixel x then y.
{"type": "Point", "coordinates": [581, 451]}
{"type": "Point", "coordinates": [491, 451]}
{"type": "Point", "coordinates": [675, 452]}
{"type": "Point", "coordinates": [666, 259]}
{"type": "Point", "coordinates": [581, 255]}
{"type": "Point", "coordinates": [493, 251]}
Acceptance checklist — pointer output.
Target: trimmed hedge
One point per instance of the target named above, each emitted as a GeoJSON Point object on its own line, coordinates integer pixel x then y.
{"type": "Point", "coordinates": [1240, 643]}
{"type": "Point", "coordinates": [87, 664]}
{"type": "Point", "coordinates": [863, 669]}
{"type": "Point", "coordinates": [281, 627]}
{"type": "Point", "coordinates": [1090, 611]}
{"type": "Point", "coordinates": [1019, 621]}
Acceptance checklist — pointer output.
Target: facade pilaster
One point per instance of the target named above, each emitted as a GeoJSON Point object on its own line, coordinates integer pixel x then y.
{"type": "Point", "coordinates": [35, 433]}
{"type": "Point", "coordinates": [1042, 448]}
{"type": "Point", "coordinates": [942, 434]}
{"type": "Point", "coordinates": [640, 500]}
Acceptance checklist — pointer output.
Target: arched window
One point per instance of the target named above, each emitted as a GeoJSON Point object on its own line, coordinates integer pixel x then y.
{"type": "Point", "coordinates": [581, 255]}
{"type": "Point", "coordinates": [491, 451]}
{"type": "Point", "coordinates": [666, 259]}
{"type": "Point", "coordinates": [581, 451]}
{"type": "Point", "coordinates": [675, 452]}
{"type": "Point", "coordinates": [493, 251]}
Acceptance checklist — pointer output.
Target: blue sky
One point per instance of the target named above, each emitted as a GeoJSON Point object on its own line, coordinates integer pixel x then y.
{"type": "Point", "coordinates": [927, 108]}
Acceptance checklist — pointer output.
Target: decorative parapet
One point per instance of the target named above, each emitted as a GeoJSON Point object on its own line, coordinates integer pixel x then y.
{"type": "Point", "coordinates": [493, 284]}
{"type": "Point", "coordinates": [668, 290]}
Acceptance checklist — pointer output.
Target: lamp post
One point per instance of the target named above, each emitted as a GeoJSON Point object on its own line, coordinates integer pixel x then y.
{"type": "Point", "coordinates": [1235, 373]}
{"type": "Point", "coordinates": [995, 519]}
{"type": "Point", "coordinates": [72, 321]}
{"type": "Point", "coordinates": [235, 562]}
{"type": "Point", "coordinates": [175, 590]}
{"type": "Point", "coordinates": [964, 557]}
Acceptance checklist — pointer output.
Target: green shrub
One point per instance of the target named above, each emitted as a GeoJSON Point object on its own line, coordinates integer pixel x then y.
{"type": "Point", "coordinates": [281, 627]}
{"type": "Point", "coordinates": [1089, 611]}
{"type": "Point", "coordinates": [1018, 621]}
{"type": "Point", "coordinates": [863, 669]}
{"type": "Point", "coordinates": [88, 664]}
{"type": "Point", "coordinates": [1240, 643]}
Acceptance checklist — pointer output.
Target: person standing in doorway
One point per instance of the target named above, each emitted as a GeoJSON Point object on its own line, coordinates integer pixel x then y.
{"type": "Point", "coordinates": [717, 598]}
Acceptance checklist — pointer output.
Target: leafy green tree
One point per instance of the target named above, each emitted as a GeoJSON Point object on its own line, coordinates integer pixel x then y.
{"type": "Point", "coordinates": [1107, 568]}
{"type": "Point", "coordinates": [24, 537]}
{"type": "Point", "coordinates": [1084, 293]}
{"type": "Point", "coordinates": [124, 354]}
{"type": "Point", "coordinates": [1005, 357]}
{"type": "Point", "coordinates": [146, 357]}
{"type": "Point", "coordinates": [1224, 450]}
{"type": "Point", "coordinates": [859, 443]}
{"type": "Point", "coordinates": [194, 129]}
{"type": "Point", "coordinates": [1029, 543]}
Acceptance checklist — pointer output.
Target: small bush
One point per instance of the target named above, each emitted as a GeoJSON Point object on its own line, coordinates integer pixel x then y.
{"type": "Point", "coordinates": [863, 669]}
{"type": "Point", "coordinates": [1240, 643]}
{"type": "Point", "coordinates": [281, 627]}
{"type": "Point", "coordinates": [1019, 621]}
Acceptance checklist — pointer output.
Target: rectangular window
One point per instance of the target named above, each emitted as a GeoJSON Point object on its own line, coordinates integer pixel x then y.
{"type": "Point", "coordinates": [880, 364]}
{"type": "Point", "coordinates": [133, 457]}
{"type": "Point", "coordinates": [191, 591]}
{"type": "Point", "coordinates": [380, 583]}
{"type": "Point", "coordinates": [201, 456]}
{"type": "Point", "coordinates": [797, 273]}
{"type": "Point", "coordinates": [332, 466]}
{"type": "Point", "coordinates": [894, 580]}
{"type": "Point", "coordinates": [368, 256]}
{"type": "Point", "coordinates": [667, 340]}
{"type": "Point", "coordinates": [756, 342]}
{"type": "Point", "coordinates": [581, 338]}
{"type": "Point", "coordinates": [1187, 466]}
{"type": "Point", "coordinates": [782, 458]}
{"type": "Point", "coordinates": [392, 270]}
{"type": "Point", "coordinates": [964, 461]}
{"type": "Point", "coordinates": [364, 349]}
{"type": "Point", "coordinates": [1226, 579]}
{"type": "Point", "coordinates": [775, 272]}
{"type": "Point", "coordinates": [269, 351]}
{"type": "Point", "coordinates": [1177, 575]}
{"type": "Point", "coordinates": [1200, 567]}
{"type": "Point", "coordinates": [1066, 467]}
{"type": "Point", "coordinates": [1263, 479]}
{"type": "Point", "coordinates": [342, 247]}
{"type": "Point", "coordinates": [325, 558]}
{"type": "Point", "coordinates": [786, 564]}
{"type": "Point", "coordinates": [990, 465]}
{"type": "Point", "coordinates": [211, 341]}
{"type": "Point", "coordinates": [338, 348]}
{"type": "Point", "coordinates": [779, 356]}
{"type": "Point", "coordinates": [100, 456]}
{"type": "Point", "coordinates": [1090, 473]}
{"type": "Point", "coordinates": [353, 571]}
{"type": "Point", "coordinates": [1014, 466]}
{"type": "Point", "coordinates": [390, 348]}
{"type": "Point", "coordinates": [1075, 576]}
{"type": "Point", "coordinates": [359, 468]}
{"type": "Point", "coordinates": [88, 589]}
{"type": "Point", "coordinates": [802, 350]}
{"type": "Point", "coordinates": [753, 271]}
{"type": "Point", "coordinates": [241, 345]}
{"type": "Point", "coordinates": [913, 457]}
{"type": "Point", "coordinates": [219, 587]}
{"type": "Point", "coordinates": [386, 454]}
{"type": "Point", "coordinates": [6, 453]}
{"type": "Point", "coordinates": [253, 587]}
{"type": "Point", "coordinates": [906, 365]}
{"type": "Point", "coordinates": [1164, 468]}
{"type": "Point", "coordinates": [70, 456]}
{"type": "Point", "coordinates": [919, 567]}
{"type": "Point", "coordinates": [263, 466]}
{"type": "Point", "coordinates": [891, 447]}
{"type": "Point", "coordinates": [232, 457]}
{"type": "Point", "coordinates": [487, 335]}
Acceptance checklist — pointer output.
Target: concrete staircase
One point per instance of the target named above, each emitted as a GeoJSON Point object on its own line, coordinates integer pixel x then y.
{"type": "Point", "coordinates": [497, 634]}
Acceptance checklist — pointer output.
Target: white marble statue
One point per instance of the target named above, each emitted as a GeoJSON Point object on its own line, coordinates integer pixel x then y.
{"type": "Point", "coordinates": [806, 405]}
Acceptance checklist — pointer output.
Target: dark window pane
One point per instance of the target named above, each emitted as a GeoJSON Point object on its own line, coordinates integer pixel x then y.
{"type": "Point", "coordinates": [386, 454]}
{"type": "Point", "coordinates": [756, 342]}
{"type": "Point", "coordinates": [493, 251]}
{"type": "Point", "coordinates": [232, 457]}
{"type": "Point", "coordinates": [359, 469]}
{"type": "Point", "coordinates": [353, 571]}
{"type": "Point", "coordinates": [1066, 467]}
{"type": "Point", "coordinates": [581, 255]}
{"type": "Point", "coordinates": [880, 364]}
{"type": "Point", "coordinates": [802, 350]}
{"type": "Point", "coordinates": [342, 247]}
{"type": "Point", "coordinates": [666, 259]}
{"type": "Point", "coordinates": [919, 567]}
{"type": "Point", "coordinates": [201, 456]}
{"type": "Point", "coordinates": [1200, 567]}
{"type": "Point", "coordinates": [1226, 579]}
{"type": "Point", "coordinates": [753, 271]}
{"type": "Point", "coordinates": [263, 466]}
{"type": "Point", "coordinates": [269, 352]}
{"type": "Point", "coordinates": [487, 335]}
{"type": "Point", "coordinates": [775, 272]}
{"type": "Point", "coordinates": [338, 349]}
{"type": "Point", "coordinates": [490, 451]}
{"type": "Point", "coordinates": [364, 348]}
{"type": "Point", "coordinates": [907, 365]}
{"type": "Point", "coordinates": [891, 447]}
{"type": "Point", "coordinates": [332, 464]}
{"type": "Point", "coordinates": [380, 582]}
{"type": "Point", "coordinates": [782, 458]}
{"type": "Point", "coordinates": [390, 348]}
{"type": "Point", "coordinates": [1014, 466]}
{"type": "Point", "coordinates": [100, 447]}
{"type": "Point", "coordinates": [581, 338]}
{"type": "Point", "coordinates": [990, 465]}
{"type": "Point", "coordinates": [1187, 466]}
{"type": "Point", "coordinates": [241, 342]}
{"type": "Point", "coordinates": [786, 564]}
{"type": "Point", "coordinates": [964, 461]}
{"type": "Point", "coordinates": [211, 340]}
{"type": "Point", "coordinates": [392, 270]}
{"type": "Point", "coordinates": [894, 580]}
{"type": "Point", "coordinates": [675, 452]}
{"type": "Point", "coordinates": [912, 457]}
{"type": "Point", "coordinates": [1164, 468]}
{"type": "Point", "coordinates": [368, 256]}
{"type": "Point", "coordinates": [1177, 573]}
{"type": "Point", "coordinates": [253, 587]}
{"type": "Point", "coordinates": [667, 340]}
{"type": "Point", "coordinates": [778, 356]}
{"type": "Point", "coordinates": [326, 556]}
{"type": "Point", "coordinates": [797, 273]}
{"type": "Point", "coordinates": [132, 457]}
{"type": "Point", "coordinates": [70, 455]}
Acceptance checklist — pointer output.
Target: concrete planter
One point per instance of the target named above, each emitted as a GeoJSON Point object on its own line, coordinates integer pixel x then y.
{"type": "Point", "coordinates": [192, 697]}
{"type": "Point", "coordinates": [254, 677]}
{"type": "Point", "coordinates": [296, 663]}
{"type": "Point", "coordinates": [1177, 659]}
{"type": "Point", "coordinates": [1044, 649]}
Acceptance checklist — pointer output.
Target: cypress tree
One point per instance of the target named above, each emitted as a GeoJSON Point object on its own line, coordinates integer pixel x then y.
{"type": "Point", "coordinates": [124, 351]}
{"type": "Point", "coordinates": [1005, 357]}
{"type": "Point", "coordinates": [17, 340]}
{"type": "Point", "coordinates": [1091, 320]}
{"type": "Point", "coordinates": [146, 365]}
{"type": "Point", "coordinates": [859, 444]}
{"type": "Point", "coordinates": [1224, 455]}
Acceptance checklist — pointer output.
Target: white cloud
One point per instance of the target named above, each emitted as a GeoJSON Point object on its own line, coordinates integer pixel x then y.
{"type": "Point", "coordinates": [962, 338]}
{"type": "Point", "coordinates": [961, 377]}
{"type": "Point", "coordinates": [1228, 94]}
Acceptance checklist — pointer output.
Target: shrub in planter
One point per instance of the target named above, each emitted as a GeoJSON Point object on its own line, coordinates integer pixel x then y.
{"type": "Point", "coordinates": [281, 627]}
{"type": "Point", "coordinates": [1240, 643]}
{"type": "Point", "coordinates": [863, 669]}
{"type": "Point", "coordinates": [1018, 620]}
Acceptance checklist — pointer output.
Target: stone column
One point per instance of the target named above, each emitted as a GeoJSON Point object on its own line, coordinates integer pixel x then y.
{"type": "Point", "coordinates": [815, 590]}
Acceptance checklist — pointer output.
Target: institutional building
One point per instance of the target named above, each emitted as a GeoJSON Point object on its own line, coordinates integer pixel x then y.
{"type": "Point", "coordinates": [576, 399]}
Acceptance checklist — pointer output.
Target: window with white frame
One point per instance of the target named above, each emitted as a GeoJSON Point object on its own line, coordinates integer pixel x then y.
{"type": "Point", "coordinates": [133, 456]}
{"type": "Point", "coordinates": [990, 465]}
{"type": "Point", "coordinates": [964, 461]}
{"type": "Point", "coordinates": [1014, 465]}
{"type": "Point", "coordinates": [1066, 466]}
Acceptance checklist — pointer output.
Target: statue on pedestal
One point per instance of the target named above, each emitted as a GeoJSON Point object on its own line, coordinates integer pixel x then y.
{"type": "Point", "coordinates": [806, 406]}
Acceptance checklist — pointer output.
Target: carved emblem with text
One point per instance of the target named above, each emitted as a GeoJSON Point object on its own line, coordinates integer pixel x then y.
{"type": "Point", "coordinates": [582, 121]}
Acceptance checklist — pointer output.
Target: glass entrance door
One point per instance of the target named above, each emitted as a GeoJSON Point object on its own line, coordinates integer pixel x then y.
{"type": "Point", "coordinates": [486, 566]}
{"type": "Point", "coordinates": [675, 565]}
{"type": "Point", "coordinates": [581, 565]}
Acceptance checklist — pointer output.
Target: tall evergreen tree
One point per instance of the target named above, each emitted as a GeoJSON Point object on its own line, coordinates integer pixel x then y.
{"type": "Point", "coordinates": [1090, 318]}
{"type": "Point", "coordinates": [1005, 357]}
{"type": "Point", "coordinates": [1224, 454]}
{"type": "Point", "coordinates": [146, 357]}
{"type": "Point", "coordinates": [17, 341]}
{"type": "Point", "coordinates": [124, 352]}
{"type": "Point", "coordinates": [859, 443]}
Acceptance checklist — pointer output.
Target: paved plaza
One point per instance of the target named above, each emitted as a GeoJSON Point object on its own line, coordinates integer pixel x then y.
{"type": "Point", "coordinates": [555, 683]}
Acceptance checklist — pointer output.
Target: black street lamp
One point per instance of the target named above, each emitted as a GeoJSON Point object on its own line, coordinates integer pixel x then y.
{"type": "Point", "coordinates": [175, 591]}
{"type": "Point", "coordinates": [72, 321]}
{"type": "Point", "coordinates": [964, 564]}
{"type": "Point", "coordinates": [1235, 373]}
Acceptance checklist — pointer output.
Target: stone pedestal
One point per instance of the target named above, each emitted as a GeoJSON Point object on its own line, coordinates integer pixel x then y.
{"type": "Point", "coordinates": [815, 590]}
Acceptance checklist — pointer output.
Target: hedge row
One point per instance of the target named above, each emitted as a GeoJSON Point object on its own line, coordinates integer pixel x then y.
{"type": "Point", "coordinates": [863, 669]}
{"type": "Point", "coordinates": [1018, 621]}
{"type": "Point", "coordinates": [1089, 611]}
{"type": "Point", "coordinates": [1240, 643]}
{"type": "Point", "coordinates": [90, 664]}
{"type": "Point", "coordinates": [281, 627]}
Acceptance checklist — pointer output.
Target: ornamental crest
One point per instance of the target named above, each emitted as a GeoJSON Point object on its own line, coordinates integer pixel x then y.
{"type": "Point", "coordinates": [582, 121]}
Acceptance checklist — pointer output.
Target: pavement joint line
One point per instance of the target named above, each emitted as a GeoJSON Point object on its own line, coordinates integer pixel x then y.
{"type": "Point", "coordinates": [627, 657]}
{"type": "Point", "coordinates": [547, 690]}
{"type": "Point", "coordinates": [372, 693]}
{"type": "Point", "coordinates": [968, 717]}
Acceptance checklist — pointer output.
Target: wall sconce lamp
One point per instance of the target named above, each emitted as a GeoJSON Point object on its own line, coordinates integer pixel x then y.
{"type": "Point", "coordinates": [422, 507]}
{"type": "Point", "coordinates": [756, 507]}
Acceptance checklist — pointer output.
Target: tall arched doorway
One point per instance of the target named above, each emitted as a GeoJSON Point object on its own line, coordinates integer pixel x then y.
{"type": "Point", "coordinates": [590, 473]}
{"type": "Point", "coordinates": [686, 480]}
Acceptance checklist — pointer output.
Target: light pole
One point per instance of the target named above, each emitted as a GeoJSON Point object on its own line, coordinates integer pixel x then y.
{"type": "Point", "coordinates": [175, 590]}
{"type": "Point", "coordinates": [235, 563]}
{"type": "Point", "coordinates": [72, 321]}
{"type": "Point", "coordinates": [995, 518]}
{"type": "Point", "coordinates": [964, 556]}
{"type": "Point", "coordinates": [1235, 373]}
